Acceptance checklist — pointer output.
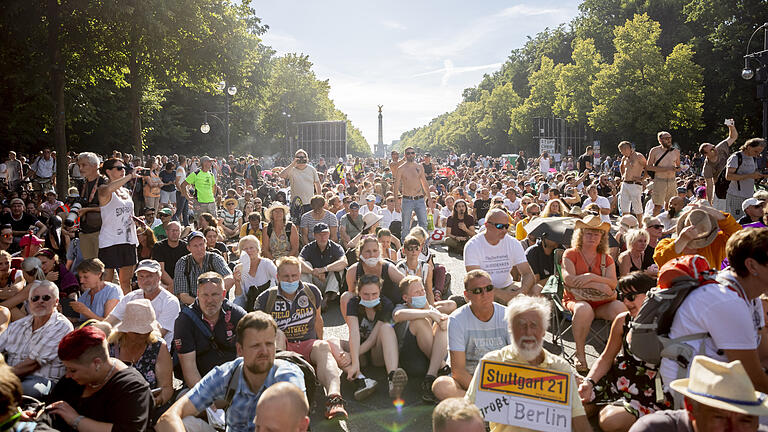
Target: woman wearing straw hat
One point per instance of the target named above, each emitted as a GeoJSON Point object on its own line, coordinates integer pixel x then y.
{"type": "Point", "coordinates": [137, 342]}
{"type": "Point", "coordinates": [589, 276]}
{"type": "Point", "coordinates": [280, 237]}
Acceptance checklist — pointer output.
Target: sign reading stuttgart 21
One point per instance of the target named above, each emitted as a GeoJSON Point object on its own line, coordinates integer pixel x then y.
{"type": "Point", "coordinates": [520, 395]}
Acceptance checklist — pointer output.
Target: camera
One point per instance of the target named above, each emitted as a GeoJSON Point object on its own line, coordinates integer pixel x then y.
{"type": "Point", "coordinates": [143, 171]}
{"type": "Point", "coordinates": [74, 212]}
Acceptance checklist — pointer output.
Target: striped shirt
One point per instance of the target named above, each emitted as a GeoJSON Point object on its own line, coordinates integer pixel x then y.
{"type": "Point", "coordinates": [19, 342]}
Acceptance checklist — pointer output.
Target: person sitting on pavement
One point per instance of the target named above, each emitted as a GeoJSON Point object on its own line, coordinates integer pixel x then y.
{"type": "Point", "coordinates": [165, 304]}
{"type": "Point", "coordinates": [280, 237]}
{"type": "Point", "coordinates": [621, 386]}
{"type": "Point", "coordinates": [736, 334]}
{"type": "Point", "coordinates": [322, 261]}
{"type": "Point", "coordinates": [197, 262]}
{"type": "Point", "coordinates": [457, 415]}
{"type": "Point", "coordinates": [634, 258]}
{"type": "Point", "coordinates": [254, 370]}
{"type": "Point", "coordinates": [702, 230]}
{"type": "Point", "coordinates": [541, 257]}
{"type": "Point", "coordinates": [296, 307]}
{"type": "Point", "coordinates": [168, 252]}
{"type": "Point", "coordinates": [99, 392]}
{"type": "Point", "coordinates": [99, 297]}
{"type": "Point", "coordinates": [421, 330]}
{"type": "Point", "coordinates": [370, 262]}
{"type": "Point", "coordinates": [317, 215]}
{"type": "Point", "coordinates": [30, 343]}
{"type": "Point", "coordinates": [459, 227]}
{"type": "Point", "coordinates": [165, 217]}
{"type": "Point", "coordinates": [136, 341]}
{"type": "Point", "coordinates": [350, 225]}
{"type": "Point", "coordinates": [282, 407]}
{"type": "Point", "coordinates": [499, 253]}
{"type": "Point", "coordinates": [589, 277]}
{"type": "Point", "coordinates": [204, 335]}
{"type": "Point", "coordinates": [12, 418]}
{"type": "Point", "coordinates": [212, 243]}
{"type": "Point", "coordinates": [718, 397]}
{"type": "Point", "coordinates": [753, 211]}
{"type": "Point", "coordinates": [253, 274]}
{"type": "Point", "coordinates": [528, 320]}
{"type": "Point", "coordinates": [473, 330]}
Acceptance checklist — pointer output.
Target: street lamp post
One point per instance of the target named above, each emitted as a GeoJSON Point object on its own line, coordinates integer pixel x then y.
{"type": "Point", "coordinates": [287, 116]}
{"type": "Point", "coordinates": [205, 127]}
{"type": "Point", "coordinates": [761, 74]}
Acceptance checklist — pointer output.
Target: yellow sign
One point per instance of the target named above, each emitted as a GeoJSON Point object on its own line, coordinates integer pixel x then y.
{"type": "Point", "coordinates": [525, 381]}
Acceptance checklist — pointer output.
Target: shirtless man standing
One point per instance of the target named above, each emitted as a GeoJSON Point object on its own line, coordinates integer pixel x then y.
{"type": "Point", "coordinates": [631, 191]}
{"type": "Point", "coordinates": [395, 164]}
{"type": "Point", "coordinates": [716, 157]}
{"type": "Point", "coordinates": [410, 175]}
{"type": "Point", "coordinates": [663, 160]}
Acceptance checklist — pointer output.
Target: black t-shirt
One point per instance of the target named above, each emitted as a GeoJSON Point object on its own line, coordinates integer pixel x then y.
{"type": "Point", "coordinates": [22, 224]}
{"type": "Point", "coordinates": [168, 255]}
{"type": "Point", "coordinates": [91, 222]}
{"type": "Point", "coordinates": [604, 190]}
{"type": "Point", "coordinates": [383, 314]}
{"type": "Point", "coordinates": [124, 401]}
{"type": "Point", "coordinates": [168, 177]}
{"type": "Point", "coordinates": [520, 163]}
{"type": "Point", "coordinates": [188, 337]}
{"type": "Point", "coordinates": [481, 207]}
{"type": "Point", "coordinates": [428, 171]}
{"type": "Point", "coordinates": [319, 259]}
{"type": "Point", "coordinates": [581, 163]}
{"type": "Point", "coordinates": [542, 264]}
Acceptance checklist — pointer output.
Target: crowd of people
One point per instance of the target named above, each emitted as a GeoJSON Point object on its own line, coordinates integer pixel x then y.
{"type": "Point", "coordinates": [177, 293]}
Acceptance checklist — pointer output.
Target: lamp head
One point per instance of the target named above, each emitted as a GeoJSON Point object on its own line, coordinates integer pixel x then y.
{"type": "Point", "coordinates": [747, 73]}
{"type": "Point", "coordinates": [232, 90]}
{"type": "Point", "coordinates": [205, 128]}
{"type": "Point", "coordinates": [221, 85]}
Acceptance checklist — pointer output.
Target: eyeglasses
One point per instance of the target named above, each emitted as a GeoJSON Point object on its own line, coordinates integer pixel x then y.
{"type": "Point", "coordinates": [408, 153]}
{"type": "Point", "coordinates": [533, 213]}
{"type": "Point", "coordinates": [119, 167]}
{"type": "Point", "coordinates": [657, 226]}
{"type": "Point", "coordinates": [412, 248]}
{"type": "Point", "coordinates": [7, 235]}
{"type": "Point", "coordinates": [501, 226]}
{"type": "Point", "coordinates": [209, 280]}
{"type": "Point", "coordinates": [480, 290]}
{"type": "Point", "coordinates": [36, 298]}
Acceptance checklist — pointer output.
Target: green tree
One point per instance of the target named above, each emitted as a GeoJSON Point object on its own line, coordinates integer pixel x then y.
{"type": "Point", "coordinates": [540, 102]}
{"type": "Point", "coordinates": [573, 99]}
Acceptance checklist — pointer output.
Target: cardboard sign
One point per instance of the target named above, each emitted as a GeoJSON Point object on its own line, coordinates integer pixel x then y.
{"type": "Point", "coordinates": [521, 395]}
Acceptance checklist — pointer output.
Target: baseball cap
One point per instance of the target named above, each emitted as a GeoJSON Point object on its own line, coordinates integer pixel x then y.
{"type": "Point", "coordinates": [321, 227]}
{"type": "Point", "coordinates": [749, 202]}
{"type": "Point", "coordinates": [370, 198]}
{"type": "Point", "coordinates": [681, 189]}
{"type": "Point", "coordinates": [194, 234]}
{"type": "Point", "coordinates": [354, 205]}
{"type": "Point", "coordinates": [149, 265]}
{"type": "Point", "coordinates": [165, 211]}
{"type": "Point", "coordinates": [205, 159]}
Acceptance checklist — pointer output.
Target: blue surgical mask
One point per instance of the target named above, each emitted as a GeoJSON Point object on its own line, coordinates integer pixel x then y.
{"type": "Point", "coordinates": [419, 301]}
{"type": "Point", "coordinates": [289, 287]}
{"type": "Point", "coordinates": [370, 303]}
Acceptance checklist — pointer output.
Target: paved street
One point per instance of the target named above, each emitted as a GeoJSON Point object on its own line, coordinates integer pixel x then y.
{"type": "Point", "coordinates": [378, 413]}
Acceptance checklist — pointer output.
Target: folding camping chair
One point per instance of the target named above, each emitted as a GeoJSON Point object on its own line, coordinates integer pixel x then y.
{"type": "Point", "coordinates": [562, 318]}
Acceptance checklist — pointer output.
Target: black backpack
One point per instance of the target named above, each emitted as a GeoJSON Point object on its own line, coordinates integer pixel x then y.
{"type": "Point", "coordinates": [721, 184]}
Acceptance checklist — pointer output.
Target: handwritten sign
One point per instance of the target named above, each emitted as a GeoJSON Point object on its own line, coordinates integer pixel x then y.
{"type": "Point", "coordinates": [520, 395]}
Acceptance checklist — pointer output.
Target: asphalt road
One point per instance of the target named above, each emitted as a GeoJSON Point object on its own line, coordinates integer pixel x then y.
{"type": "Point", "coordinates": [378, 412]}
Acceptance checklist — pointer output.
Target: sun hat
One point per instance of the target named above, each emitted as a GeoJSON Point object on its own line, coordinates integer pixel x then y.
{"type": "Point", "coordinates": [370, 218]}
{"type": "Point", "coordinates": [139, 318]}
{"type": "Point", "coordinates": [230, 200]}
{"type": "Point", "coordinates": [722, 385]}
{"type": "Point", "coordinates": [593, 222]}
{"type": "Point", "coordinates": [576, 211]}
{"type": "Point", "coordinates": [276, 205]}
{"type": "Point", "coordinates": [704, 222]}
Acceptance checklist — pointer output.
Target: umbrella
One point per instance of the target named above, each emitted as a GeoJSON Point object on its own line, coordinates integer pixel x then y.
{"type": "Point", "coordinates": [558, 229]}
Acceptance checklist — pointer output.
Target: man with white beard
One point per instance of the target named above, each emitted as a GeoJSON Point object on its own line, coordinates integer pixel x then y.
{"type": "Point", "coordinates": [528, 320]}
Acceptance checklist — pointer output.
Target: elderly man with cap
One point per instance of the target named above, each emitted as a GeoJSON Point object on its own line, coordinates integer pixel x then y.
{"type": "Point", "coordinates": [322, 262]}
{"type": "Point", "coordinates": [204, 183]}
{"type": "Point", "coordinates": [21, 222]}
{"type": "Point", "coordinates": [30, 343]}
{"type": "Point", "coordinates": [165, 218]}
{"type": "Point", "coordinates": [370, 206]}
{"type": "Point", "coordinates": [718, 396]}
{"type": "Point", "coordinates": [165, 304]}
{"type": "Point", "coordinates": [753, 211]}
{"type": "Point", "coordinates": [702, 230]}
{"type": "Point", "coordinates": [197, 262]}
{"type": "Point", "coordinates": [528, 320]}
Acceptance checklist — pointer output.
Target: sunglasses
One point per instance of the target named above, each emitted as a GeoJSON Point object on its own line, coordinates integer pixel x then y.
{"type": "Point", "coordinates": [629, 297]}
{"type": "Point", "coordinates": [533, 213]}
{"type": "Point", "coordinates": [409, 153]}
{"type": "Point", "coordinates": [480, 290]}
{"type": "Point", "coordinates": [412, 248]}
{"type": "Point", "coordinates": [657, 226]}
{"type": "Point", "coordinates": [7, 235]}
{"type": "Point", "coordinates": [209, 280]}
{"type": "Point", "coordinates": [36, 298]}
{"type": "Point", "coordinates": [118, 167]}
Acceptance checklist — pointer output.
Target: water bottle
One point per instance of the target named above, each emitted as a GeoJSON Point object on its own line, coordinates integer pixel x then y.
{"type": "Point", "coordinates": [430, 222]}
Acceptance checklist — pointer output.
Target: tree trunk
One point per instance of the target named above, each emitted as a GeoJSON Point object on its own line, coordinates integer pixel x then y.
{"type": "Point", "coordinates": [134, 98]}
{"type": "Point", "coordinates": [57, 92]}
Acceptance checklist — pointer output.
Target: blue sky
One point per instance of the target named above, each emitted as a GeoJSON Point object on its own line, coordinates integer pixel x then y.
{"type": "Point", "coordinates": [413, 57]}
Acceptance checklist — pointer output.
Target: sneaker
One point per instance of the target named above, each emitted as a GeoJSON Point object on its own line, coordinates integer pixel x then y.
{"type": "Point", "coordinates": [426, 390]}
{"type": "Point", "coordinates": [334, 408]}
{"type": "Point", "coordinates": [444, 371]}
{"type": "Point", "coordinates": [398, 379]}
{"type": "Point", "coordinates": [364, 388]}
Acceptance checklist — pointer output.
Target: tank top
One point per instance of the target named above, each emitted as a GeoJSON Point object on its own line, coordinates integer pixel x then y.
{"type": "Point", "coordinates": [117, 225]}
{"type": "Point", "coordinates": [388, 289]}
{"type": "Point", "coordinates": [279, 242]}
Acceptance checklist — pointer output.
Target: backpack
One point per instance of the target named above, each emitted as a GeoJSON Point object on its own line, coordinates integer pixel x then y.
{"type": "Point", "coordinates": [649, 331]}
{"type": "Point", "coordinates": [721, 184]}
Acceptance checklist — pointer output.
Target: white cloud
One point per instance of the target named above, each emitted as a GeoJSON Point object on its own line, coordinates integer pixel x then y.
{"type": "Point", "coordinates": [465, 38]}
{"type": "Point", "coordinates": [394, 25]}
{"type": "Point", "coordinates": [449, 70]}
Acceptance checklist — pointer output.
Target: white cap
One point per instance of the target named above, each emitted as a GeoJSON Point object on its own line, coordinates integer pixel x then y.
{"type": "Point", "coordinates": [749, 202]}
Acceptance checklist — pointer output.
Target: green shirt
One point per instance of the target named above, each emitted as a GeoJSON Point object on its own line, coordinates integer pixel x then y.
{"type": "Point", "coordinates": [203, 182]}
{"type": "Point", "coordinates": [160, 232]}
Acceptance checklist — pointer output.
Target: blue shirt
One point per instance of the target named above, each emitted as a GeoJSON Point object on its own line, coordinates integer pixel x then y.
{"type": "Point", "coordinates": [109, 292]}
{"type": "Point", "coordinates": [240, 414]}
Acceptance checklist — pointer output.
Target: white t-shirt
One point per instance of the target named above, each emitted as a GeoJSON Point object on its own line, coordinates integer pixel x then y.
{"type": "Point", "coordinates": [166, 307]}
{"type": "Point", "coordinates": [497, 260]}
{"type": "Point", "coordinates": [601, 202]}
{"type": "Point", "coordinates": [544, 165]}
{"type": "Point", "coordinates": [303, 183]}
{"type": "Point", "coordinates": [512, 206]}
{"type": "Point", "coordinates": [731, 321]}
{"type": "Point", "coordinates": [475, 338]}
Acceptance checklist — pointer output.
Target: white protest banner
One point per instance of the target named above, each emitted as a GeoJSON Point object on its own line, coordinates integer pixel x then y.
{"type": "Point", "coordinates": [546, 145]}
{"type": "Point", "coordinates": [520, 395]}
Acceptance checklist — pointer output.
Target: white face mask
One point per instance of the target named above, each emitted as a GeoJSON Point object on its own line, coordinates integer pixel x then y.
{"type": "Point", "coordinates": [370, 262]}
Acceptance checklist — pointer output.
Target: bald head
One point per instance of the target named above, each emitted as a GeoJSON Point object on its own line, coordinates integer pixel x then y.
{"type": "Point", "coordinates": [282, 407]}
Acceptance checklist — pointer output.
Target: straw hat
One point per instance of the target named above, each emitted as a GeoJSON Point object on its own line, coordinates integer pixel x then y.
{"type": "Point", "coordinates": [139, 318]}
{"type": "Point", "coordinates": [370, 218]}
{"type": "Point", "coordinates": [593, 222]}
{"type": "Point", "coordinates": [576, 211]}
{"type": "Point", "coordinates": [276, 205]}
{"type": "Point", "coordinates": [704, 222]}
{"type": "Point", "coordinates": [722, 385]}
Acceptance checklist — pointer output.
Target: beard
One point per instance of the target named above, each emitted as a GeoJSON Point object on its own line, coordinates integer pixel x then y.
{"type": "Point", "coordinates": [672, 212]}
{"type": "Point", "coordinates": [410, 158]}
{"type": "Point", "coordinates": [530, 351]}
{"type": "Point", "coordinates": [258, 368]}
